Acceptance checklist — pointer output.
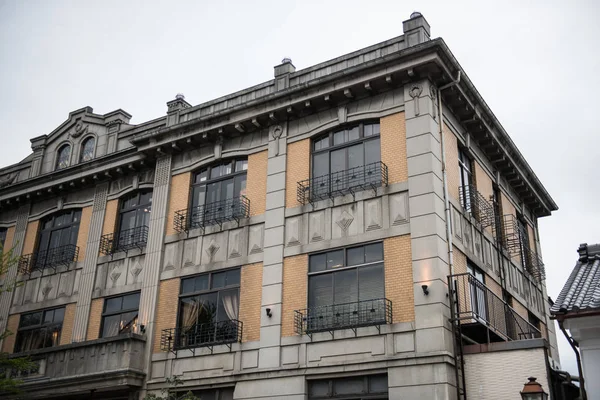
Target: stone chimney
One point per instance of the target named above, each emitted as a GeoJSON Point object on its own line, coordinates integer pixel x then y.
{"type": "Point", "coordinates": [416, 29]}
{"type": "Point", "coordinates": [282, 74]}
{"type": "Point", "coordinates": [173, 108]}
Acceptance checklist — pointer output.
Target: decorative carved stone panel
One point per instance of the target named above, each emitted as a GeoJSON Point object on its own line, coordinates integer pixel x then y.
{"type": "Point", "coordinates": [344, 221]}
{"type": "Point", "coordinates": [256, 239]}
{"type": "Point", "coordinates": [48, 288]}
{"type": "Point", "coordinates": [116, 274]}
{"type": "Point", "coordinates": [170, 257]}
{"type": "Point", "coordinates": [191, 252]}
{"type": "Point", "coordinates": [31, 290]}
{"type": "Point", "coordinates": [134, 269]}
{"type": "Point", "coordinates": [237, 243]}
{"type": "Point", "coordinates": [456, 225]}
{"type": "Point", "coordinates": [478, 246]}
{"type": "Point", "coordinates": [467, 234]}
{"type": "Point", "coordinates": [65, 285]}
{"type": "Point", "coordinates": [293, 231]}
{"type": "Point", "coordinates": [373, 214]}
{"type": "Point", "coordinates": [316, 226]}
{"type": "Point", "coordinates": [214, 248]}
{"type": "Point", "coordinates": [487, 253]}
{"type": "Point", "coordinates": [398, 208]}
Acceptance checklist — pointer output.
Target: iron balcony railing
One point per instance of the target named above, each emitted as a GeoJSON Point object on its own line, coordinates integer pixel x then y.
{"type": "Point", "coordinates": [515, 241]}
{"type": "Point", "coordinates": [201, 335]}
{"type": "Point", "coordinates": [341, 183]}
{"type": "Point", "coordinates": [212, 214]}
{"type": "Point", "coordinates": [129, 239]}
{"type": "Point", "coordinates": [474, 202]}
{"type": "Point", "coordinates": [534, 265]}
{"type": "Point", "coordinates": [48, 259]}
{"type": "Point", "coordinates": [353, 315]}
{"type": "Point", "coordinates": [475, 303]}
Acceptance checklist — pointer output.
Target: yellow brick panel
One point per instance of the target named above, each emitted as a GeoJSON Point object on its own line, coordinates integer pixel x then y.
{"type": "Point", "coordinates": [295, 289]}
{"type": "Point", "coordinates": [95, 320]}
{"type": "Point", "coordinates": [393, 147]}
{"type": "Point", "coordinates": [8, 345]}
{"type": "Point", "coordinates": [256, 186]}
{"type": "Point", "coordinates": [166, 316]}
{"type": "Point", "coordinates": [452, 171]}
{"type": "Point", "coordinates": [399, 277]}
{"type": "Point", "coordinates": [520, 309]}
{"type": "Point", "coordinates": [460, 261]}
{"type": "Point", "coordinates": [493, 286]}
{"type": "Point", "coordinates": [84, 230]}
{"type": "Point", "coordinates": [298, 169]}
{"type": "Point", "coordinates": [483, 182]}
{"type": "Point", "coordinates": [179, 198]}
{"type": "Point", "coordinates": [30, 237]}
{"type": "Point", "coordinates": [110, 216]}
{"type": "Point", "coordinates": [67, 328]}
{"type": "Point", "coordinates": [10, 235]}
{"type": "Point", "coordinates": [250, 300]}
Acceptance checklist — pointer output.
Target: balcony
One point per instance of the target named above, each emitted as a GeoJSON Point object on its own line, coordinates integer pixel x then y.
{"type": "Point", "coordinates": [201, 335]}
{"type": "Point", "coordinates": [212, 214]}
{"type": "Point", "coordinates": [534, 265]}
{"type": "Point", "coordinates": [474, 203]}
{"type": "Point", "coordinates": [353, 315]}
{"type": "Point", "coordinates": [48, 259]}
{"type": "Point", "coordinates": [482, 316]}
{"type": "Point", "coordinates": [341, 183]}
{"type": "Point", "coordinates": [110, 368]}
{"type": "Point", "coordinates": [129, 239]}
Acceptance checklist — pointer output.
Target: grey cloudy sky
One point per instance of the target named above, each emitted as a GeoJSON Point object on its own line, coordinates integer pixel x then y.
{"type": "Point", "coordinates": [536, 63]}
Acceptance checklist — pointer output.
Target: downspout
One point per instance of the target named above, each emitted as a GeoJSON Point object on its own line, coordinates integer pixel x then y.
{"type": "Point", "coordinates": [444, 174]}
{"type": "Point", "coordinates": [574, 345]}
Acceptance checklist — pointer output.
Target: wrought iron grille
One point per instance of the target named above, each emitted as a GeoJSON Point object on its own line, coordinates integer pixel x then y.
{"type": "Point", "coordinates": [475, 303]}
{"type": "Point", "coordinates": [341, 183]}
{"type": "Point", "coordinates": [201, 335]}
{"type": "Point", "coordinates": [534, 265]}
{"type": "Point", "coordinates": [129, 239]}
{"type": "Point", "coordinates": [512, 235]}
{"type": "Point", "coordinates": [474, 202]}
{"type": "Point", "coordinates": [353, 315]}
{"type": "Point", "coordinates": [51, 258]}
{"type": "Point", "coordinates": [212, 214]}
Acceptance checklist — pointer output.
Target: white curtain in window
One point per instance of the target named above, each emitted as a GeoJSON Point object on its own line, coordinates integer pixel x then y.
{"type": "Point", "coordinates": [231, 303]}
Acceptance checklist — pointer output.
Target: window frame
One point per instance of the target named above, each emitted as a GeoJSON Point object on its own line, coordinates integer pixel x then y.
{"type": "Point", "coordinates": [53, 217]}
{"type": "Point", "coordinates": [3, 235]}
{"type": "Point", "coordinates": [40, 326]}
{"type": "Point", "coordinates": [208, 168]}
{"type": "Point", "coordinates": [106, 314]}
{"type": "Point", "coordinates": [59, 151]}
{"type": "Point", "coordinates": [84, 142]}
{"type": "Point", "coordinates": [465, 165]}
{"type": "Point", "coordinates": [136, 208]}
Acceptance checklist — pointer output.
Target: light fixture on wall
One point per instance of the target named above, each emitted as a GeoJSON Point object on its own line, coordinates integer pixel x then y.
{"type": "Point", "coordinates": [532, 390]}
{"type": "Point", "coordinates": [425, 290]}
{"type": "Point", "coordinates": [268, 311]}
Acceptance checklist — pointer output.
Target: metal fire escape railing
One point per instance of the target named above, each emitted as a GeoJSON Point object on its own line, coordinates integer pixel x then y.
{"type": "Point", "coordinates": [212, 214]}
{"type": "Point", "coordinates": [474, 202]}
{"type": "Point", "coordinates": [201, 335]}
{"type": "Point", "coordinates": [341, 183]}
{"type": "Point", "coordinates": [48, 259]}
{"type": "Point", "coordinates": [129, 239]}
{"type": "Point", "coordinates": [353, 315]}
{"type": "Point", "coordinates": [474, 303]}
{"type": "Point", "coordinates": [514, 241]}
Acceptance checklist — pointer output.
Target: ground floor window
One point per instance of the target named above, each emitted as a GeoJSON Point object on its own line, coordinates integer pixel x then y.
{"type": "Point", "coordinates": [39, 329]}
{"type": "Point", "coordinates": [349, 388]}
{"type": "Point", "coordinates": [120, 314]}
{"type": "Point", "coordinates": [215, 394]}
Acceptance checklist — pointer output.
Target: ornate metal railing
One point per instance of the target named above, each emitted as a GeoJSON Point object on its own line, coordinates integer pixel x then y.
{"type": "Point", "coordinates": [534, 265]}
{"type": "Point", "coordinates": [129, 239]}
{"type": "Point", "coordinates": [341, 183]}
{"type": "Point", "coordinates": [201, 335]}
{"type": "Point", "coordinates": [474, 202]}
{"type": "Point", "coordinates": [475, 303]}
{"type": "Point", "coordinates": [512, 234]}
{"type": "Point", "coordinates": [48, 259]}
{"type": "Point", "coordinates": [212, 214]}
{"type": "Point", "coordinates": [353, 315]}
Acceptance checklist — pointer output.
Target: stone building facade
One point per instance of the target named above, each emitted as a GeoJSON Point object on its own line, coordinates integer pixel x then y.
{"type": "Point", "coordinates": [363, 228]}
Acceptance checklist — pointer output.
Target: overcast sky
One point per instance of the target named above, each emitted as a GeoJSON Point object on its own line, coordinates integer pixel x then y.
{"type": "Point", "coordinates": [536, 66]}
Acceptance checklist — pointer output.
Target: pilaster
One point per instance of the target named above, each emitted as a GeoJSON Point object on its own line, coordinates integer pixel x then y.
{"type": "Point", "coordinates": [88, 274]}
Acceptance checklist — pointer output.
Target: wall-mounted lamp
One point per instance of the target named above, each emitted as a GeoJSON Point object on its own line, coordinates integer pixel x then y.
{"type": "Point", "coordinates": [143, 328]}
{"type": "Point", "coordinates": [425, 291]}
{"type": "Point", "coordinates": [269, 313]}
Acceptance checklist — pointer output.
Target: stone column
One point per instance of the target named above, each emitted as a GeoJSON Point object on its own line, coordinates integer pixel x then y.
{"type": "Point", "coordinates": [88, 274]}
{"type": "Point", "coordinates": [11, 274]}
{"type": "Point", "coordinates": [272, 285]}
{"type": "Point", "coordinates": [429, 248]}
{"type": "Point", "coordinates": [154, 252]}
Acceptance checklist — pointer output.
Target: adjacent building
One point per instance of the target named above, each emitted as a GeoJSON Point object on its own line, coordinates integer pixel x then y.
{"type": "Point", "coordinates": [362, 228]}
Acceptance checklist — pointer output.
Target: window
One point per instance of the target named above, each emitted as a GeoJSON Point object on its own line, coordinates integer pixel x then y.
{"type": "Point", "coordinates": [339, 155]}
{"type": "Point", "coordinates": [87, 149]}
{"type": "Point", "coordinates": [120, 315]}
{"type": "Point", "coordinates": [57, 242]}
{"type": "Point", "coordinates": [40, 329]}
{"type": "Point", "coordinates": [214, 394]}
{"type": "Point", "coordinates": [524, 243]}
{"type": "Point", "coordinates": [208, 308]}
{"type": "Point", "coordinates": [478, 291]}
{"type": "Point", "coordinates": [355, 387]}
{"type": "Point", "coordinates": [2, 236]}
{"type": "Point", "coordinates": [134, 218]}
{"type": "Point", "coordinates": [466, 178]}
{"type": "Point", "coordinates": [63, 157]}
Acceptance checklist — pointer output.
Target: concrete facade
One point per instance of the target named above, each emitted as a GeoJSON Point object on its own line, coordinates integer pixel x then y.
{"type": "Point", "coordinates": [395, 84]}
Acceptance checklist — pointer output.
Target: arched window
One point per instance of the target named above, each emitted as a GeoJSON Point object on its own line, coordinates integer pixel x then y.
{"type": "Point", "coordinates": [63, 157]}
{"type": "Point", "coordinates": [87, 149]}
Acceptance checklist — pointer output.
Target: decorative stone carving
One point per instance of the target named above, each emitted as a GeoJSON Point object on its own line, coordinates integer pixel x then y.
{"type": "Point", "coordinates": [8, 180]}
{"type": "Point", "coordinates": [292, 231]}
{"type": "Point", "coordinates": [170, 254]}
{"type": "Point", "coordinates": [317, 226]}
{"type": "Point", "coordinates": [163, 171]}
{"type": "Point", "coordinates": [398, 209]}
{"type": "Point", "coordinates": [344, 221]}
{"type": "Point", "coordinates": [342, 115]}
{"type": "Point", "coordinates": [415, 91]}
{"type": "Point", "coordinates": [255, 239]}
{"type": "Point", "coordinates": [135, 270]}
{"type": "Point", "coordinates": [235, 243]}
{"type": "Point", "coordinates": [434, 99]}
{"type": "Point", "coordinates": [190, 247]}
{"type": "Point", "coordinates": [79, 130]}
{"type": "Point", "coordinates": [456, 226]}
{"type": "Point", "coordinates": [212, 249]}
{"type": "Point", "coordinates": [46, 289]}
{"type": "Point", "coordinates": [373, 214]}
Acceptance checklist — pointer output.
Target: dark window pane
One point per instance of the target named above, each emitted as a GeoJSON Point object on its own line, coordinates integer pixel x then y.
{"type": "Point", "coordinates": [320, 290]}
{"type": "Point", "coordinates": [370, 282]}
{"type": "Point", "coordinates": [207, 308]}
{"type": "Point", "coordinates": [215, 172]}
{"type": "Point", "coordinates": [31, 319]}
{"type": "Point", "coordinates": [338, 160]}
{"type": "Point", "coordinates": [320, 164]}
{"type": "Point", "coordinates": [233, 277]}
{"type": "Point", "coordinates": [131, 301]}
{"type": "Point", "coordinates": [187, 285]}
{"type": "Point", "coordinates": [59, 315]}
{"type": "Point", "coordinates": [241, 165]}
{"type": "Point", "coordinates": [224, 394]}
{"type": "Point", "coordinates": [374, 252]}
{"type": "Point", "coordinates": [353, 133]}
{"type": "Point", "coordinates": [339, 137]}
{"type": "Point", "coordinates": [355, 255]}
{"type": "Point", "coordinates": [218, 280]}
{"type": "Point", "coordinates": [335, 259]}
{"type": "Point", "coordinates": [376, 129]}
{"type": "Point", "coordinates": [355, 156]}
{"type": "Point", "coordinates": [113, 304]}
{"type": "Point", "coordinates": [368, 130]}
{"type": "Point", "coordinates": [128, 322]}
{"type": "Point", "coordinates": [318, 262]}
{"type": "Point", "coordinates": [372, 151]}
{"type": "Point", "coordinates": [110, 325]}
{"type": "Point", "coordinates": [349, 386]}
{"type": "Point", "coordinates": [345, 287]}
{"type": "Point", "coordinates": [201, 176]}
{"type": "Point", "coordinates": [378, 384]}
{"type": "Point", "coordinates": [87, 150]}
{"type": "Point", "coordinates": [201, 283]}
{"type": "Point", "coordinates": [48, 316]}
{"type": "Point", "coordinates": [319, 388]}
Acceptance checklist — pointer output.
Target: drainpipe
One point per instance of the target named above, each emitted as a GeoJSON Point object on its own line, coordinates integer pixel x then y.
{"type": "Point", "coordinates": [444, 174]}
{"type": "Point", "coordinates": [574, 345]}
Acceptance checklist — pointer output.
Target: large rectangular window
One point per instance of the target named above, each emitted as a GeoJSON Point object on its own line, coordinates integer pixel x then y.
{"type": "Point", "coordinates": [209, 308]}
{"type": "Point", "coordinates": [57, 240]}
{"type": "Point", "coordinates": [2, 236]}
{"type": "Point", "coordinates": [466, 179]}
{"type": "Point", "coordinates": [349, 388]}
{"type": "Point", "coordinates": [40, 329]}
{"type": "Point", "coordinates": [120, 314]}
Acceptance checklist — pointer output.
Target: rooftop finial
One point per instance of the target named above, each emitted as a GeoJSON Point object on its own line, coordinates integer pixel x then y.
{"type": "Point", "coordinates": [286, 60]}
{"type": "Point", "coordinates": [416, 14]}
{"type": "Point", "coordinates": [180, 96]}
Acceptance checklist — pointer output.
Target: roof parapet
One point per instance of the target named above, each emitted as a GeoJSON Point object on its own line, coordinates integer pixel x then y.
{"type": "Point", "coordinates": [416, 29]}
